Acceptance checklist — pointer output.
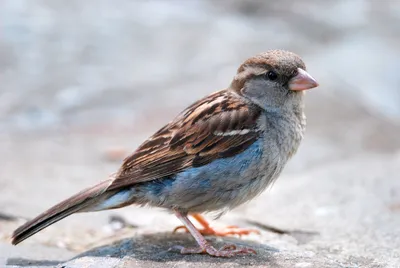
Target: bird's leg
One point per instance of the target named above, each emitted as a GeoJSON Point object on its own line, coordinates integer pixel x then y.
{"type": "Point", "coordinates": [224, 231]}
{"type": "Point", "coordinates": [204, 246]}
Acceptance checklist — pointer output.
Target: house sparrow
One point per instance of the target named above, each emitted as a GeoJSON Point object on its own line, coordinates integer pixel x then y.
{"type": "Point", "coordinates": [220, 152]}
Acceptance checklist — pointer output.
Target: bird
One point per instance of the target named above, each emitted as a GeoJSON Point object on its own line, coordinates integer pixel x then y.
{"type": "Point", "coordinates": [218, 153]}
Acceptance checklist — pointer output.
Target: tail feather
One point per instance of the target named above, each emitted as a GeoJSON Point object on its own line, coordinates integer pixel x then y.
{"type": "Point", "coordinates": [77, 203]}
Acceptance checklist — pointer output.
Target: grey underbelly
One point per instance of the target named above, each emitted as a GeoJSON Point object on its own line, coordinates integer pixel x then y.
{"type": "Point", "coordinates": [222, 184]}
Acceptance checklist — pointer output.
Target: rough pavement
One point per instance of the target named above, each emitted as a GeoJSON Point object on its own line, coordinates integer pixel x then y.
{"type": "Point", "coordinates": [79, 81]}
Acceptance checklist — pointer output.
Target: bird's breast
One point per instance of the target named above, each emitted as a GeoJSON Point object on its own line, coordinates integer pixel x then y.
{"type": "Point", "coordinates": [228, 182]}
{"type": "Point", "coordinates": [283, 134]}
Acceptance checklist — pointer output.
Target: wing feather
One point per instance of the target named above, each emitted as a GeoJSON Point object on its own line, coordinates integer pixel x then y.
{"type": "Point", "coordinates": [218, 126]}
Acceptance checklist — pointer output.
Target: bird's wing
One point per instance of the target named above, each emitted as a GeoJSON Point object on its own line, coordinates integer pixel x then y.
{"type": "Point", "coordinates": [218, 126]}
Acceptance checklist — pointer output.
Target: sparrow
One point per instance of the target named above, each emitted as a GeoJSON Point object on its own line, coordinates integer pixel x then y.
{"type": "Point", "coordinates": [217, 154]}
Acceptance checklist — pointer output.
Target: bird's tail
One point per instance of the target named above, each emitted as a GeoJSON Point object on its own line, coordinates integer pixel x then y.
{"type": "Point", "coordinates": [82, 201]}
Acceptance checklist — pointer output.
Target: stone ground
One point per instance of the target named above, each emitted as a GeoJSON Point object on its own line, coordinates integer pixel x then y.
{"type": "Point", "coordinates": [82, 80]}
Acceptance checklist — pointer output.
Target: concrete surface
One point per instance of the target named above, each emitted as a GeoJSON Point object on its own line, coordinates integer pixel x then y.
{"type": "Point", "coordinates": [83, 79]}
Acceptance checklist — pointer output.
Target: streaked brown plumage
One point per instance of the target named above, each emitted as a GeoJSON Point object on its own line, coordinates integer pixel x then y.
{"type": "Point", "coordinates": [218, 153]}
{"type": "Point", "coordinates": [192, 139]}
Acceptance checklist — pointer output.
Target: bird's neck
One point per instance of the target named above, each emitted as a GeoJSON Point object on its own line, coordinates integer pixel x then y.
{"type": "Point", "coordinates": [288, 104]}
{"type": "Point", "coordinates": [286, 125]}
{"type": "Point", "coordinates": [290, 109]}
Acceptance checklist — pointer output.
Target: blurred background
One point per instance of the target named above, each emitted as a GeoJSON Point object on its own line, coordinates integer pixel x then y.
{"type": "Point", "coordinates": [84, 82]}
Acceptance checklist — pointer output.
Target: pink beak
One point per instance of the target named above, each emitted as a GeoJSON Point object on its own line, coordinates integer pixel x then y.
{"type": "Point", "coordinates": [302, 81]}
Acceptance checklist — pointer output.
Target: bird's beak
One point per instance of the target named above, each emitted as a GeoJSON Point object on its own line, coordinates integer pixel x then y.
{"type": "Point", "coordinates": [302, 81]}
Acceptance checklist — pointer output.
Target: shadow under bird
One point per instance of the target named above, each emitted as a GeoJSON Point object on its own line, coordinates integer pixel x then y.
{"type": "Point", "coordinates": [217, 154]}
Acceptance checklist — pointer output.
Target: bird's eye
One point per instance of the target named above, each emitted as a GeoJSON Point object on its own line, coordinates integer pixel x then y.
{"type": "Point", "coordinates": [271, 75]}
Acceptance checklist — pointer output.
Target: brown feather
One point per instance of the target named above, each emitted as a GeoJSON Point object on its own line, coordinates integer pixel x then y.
{"type": "Point", "coordinates": [196, 137]}
{"type": "Point", "coordinates": [67, 207]}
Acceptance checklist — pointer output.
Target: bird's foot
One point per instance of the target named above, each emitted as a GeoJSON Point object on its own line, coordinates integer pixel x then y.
{"type": "Point", "coordinates": [226, 251]}
{"type": "Point", "coordinates": [225, 231]}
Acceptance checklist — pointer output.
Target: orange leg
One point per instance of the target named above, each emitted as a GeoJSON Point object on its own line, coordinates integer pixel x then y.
{"type": "Point", "coordinates": [229, 250]}
{"type": "Point", "coordinates": [224, 231]}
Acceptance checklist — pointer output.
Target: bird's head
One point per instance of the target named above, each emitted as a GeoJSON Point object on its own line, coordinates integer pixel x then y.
{"type": "Point", "coordinates": [275, 79]}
